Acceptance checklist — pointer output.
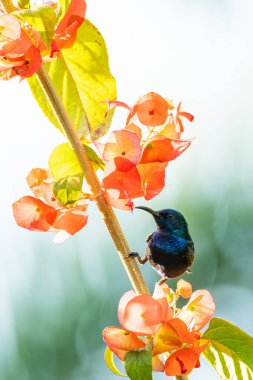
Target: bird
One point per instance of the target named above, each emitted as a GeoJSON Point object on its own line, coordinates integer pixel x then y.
{"type": "Point", "coordinates": [170, 249]}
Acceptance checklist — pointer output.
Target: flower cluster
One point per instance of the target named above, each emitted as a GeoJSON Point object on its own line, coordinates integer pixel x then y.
{"type": "Point", "coordinates": [134, 161]}
{"type": "Point", "coordinates": [22, 48]}
{"type": "Point", "coordinates": [35, 215]}
{"type": "Point", "coordinates": [136, 156]}
{"type": "Point", "coordinates": [174, 333]}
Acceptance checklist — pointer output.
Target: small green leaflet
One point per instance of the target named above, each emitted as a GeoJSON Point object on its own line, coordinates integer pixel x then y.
{"type": "Point", "coordinates": [138, 365]}
{"type": "Point", "coordinates": [230, 351]}
{"type": "Point", "coordinates": [110, 362]}
{"type": "Point", "coordinates": [42, 19]}
{"type": "Point", "coordinates": [67, 190]}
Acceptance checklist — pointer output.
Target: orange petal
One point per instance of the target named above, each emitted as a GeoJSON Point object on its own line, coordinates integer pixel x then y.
{"type": "Point", "coordinates": [142, 315]}
{"type": "Point", "coordinates": [161, 149]}
{"type": "Point", "coordinates": [152, 109]}
{"type": "Point", "coordinates": [121, 339]}
{"type": "Point", "coordinates": [70, 220]}
{"type": "Point", "coordinates": [159, 294]}
{"type": "Point", "coordinates": [32, 62]}
{"type": "Point", "coordinates": [122, 304]}
{"type": "Point", "coordinates": [124, 144]}
{"type": "Point", "coordinates": [31, 213]}
{"type": "Point", "coordinates": [169, 336]}
{"type": "Point", "coordinates": [10, 31]}
{"type": "Point", "coordinates": [152, 178]}
{"type": "Point", "coordinates": [181, 362]}
{"type": "Point", "coordinates": [134, 128]}
{"type": "Point", "coordinates": [122, 204]}
{"type": "Point", "coordinates": [120, 353]}
{"type": "Point", "coordinates": [157, 364]}
{"type": "Point", "coordinates": [122, 179]}
{"type": "Point", "coordinates": [184, 288]}
{"type": "Point", "coordinates": [170, 129]}
{"type": "Point", "coordinates": [65, 33]}
{"type": "Point", "coordinates": [199, 310]}
{"type": "Point", "coordinates": [35, 178]}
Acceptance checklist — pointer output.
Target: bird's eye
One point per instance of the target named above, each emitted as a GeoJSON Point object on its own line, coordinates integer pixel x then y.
{"type": "Point", "coordinates": [171, 216]}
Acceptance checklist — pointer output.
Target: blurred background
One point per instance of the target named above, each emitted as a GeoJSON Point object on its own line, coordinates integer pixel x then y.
{"type": "Point", "coordinates": [56, 299]}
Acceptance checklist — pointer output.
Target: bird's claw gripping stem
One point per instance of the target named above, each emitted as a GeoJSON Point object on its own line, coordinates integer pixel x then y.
{"type": "Point", "coordinates": [137, 256]}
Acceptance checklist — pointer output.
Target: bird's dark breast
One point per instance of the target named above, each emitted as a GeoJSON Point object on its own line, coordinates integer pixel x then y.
{"type": "Point", "coordinates": [171, 258]}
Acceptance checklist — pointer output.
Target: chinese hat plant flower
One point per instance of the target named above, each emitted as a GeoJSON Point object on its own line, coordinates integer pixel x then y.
{"type": "Point", "coordinates": [30, 37]}
{"type": "Point", "coordinates": [133, 161]}
{"type": "Point", "coordinates": [155, 324]}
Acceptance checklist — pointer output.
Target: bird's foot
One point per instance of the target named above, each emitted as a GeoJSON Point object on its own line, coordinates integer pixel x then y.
{"type": "Point", "coordinates": [189, 271]}
{"type": "Point", "coordinates": [137, 256]}
{"type": "Point", "coordinates": [163, 280]}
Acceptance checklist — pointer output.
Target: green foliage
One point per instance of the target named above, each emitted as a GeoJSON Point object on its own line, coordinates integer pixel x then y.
{"type": "Point", "coordinates": [230, 351]}
{"type": "Point", "coordinates": [138, 365]}
{"type": "Point", "coordinates": [110, 362]}
{"type": "Point", "coordinates": [67, 190]}
{"type": "Point", "coordinates": [41, 18]}
{"type": "Point", "coordinates": [83, 80]}
{"type": "Point", "coordinates": [64, 163]}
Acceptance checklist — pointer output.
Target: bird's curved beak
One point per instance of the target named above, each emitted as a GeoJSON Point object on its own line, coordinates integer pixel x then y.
{"type": "Point", "coordinates": [149, 210]}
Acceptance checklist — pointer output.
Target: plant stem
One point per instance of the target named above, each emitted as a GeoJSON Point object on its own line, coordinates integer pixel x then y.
{"type": "Point", "coordinates": [182, 378]}
{"type": "Point", "coordinates": [92, 180]}
{"type": "Point", "coordinates": [108, 214]}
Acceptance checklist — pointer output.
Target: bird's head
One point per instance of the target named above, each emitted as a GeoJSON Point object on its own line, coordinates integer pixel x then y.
{"type": "Point", "coordinates": [169, 220]}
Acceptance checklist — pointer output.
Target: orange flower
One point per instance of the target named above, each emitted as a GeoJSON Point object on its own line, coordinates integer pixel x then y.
{"type": "Point", "coordinates": [151, 110]}
{"type": "Point", "coordinates": [21, 47]}
{"type": "Point", "coordinates": [152, 178]}
{"type": "Point", "coordinates": [35, 215]}
{"type": "Point", "coordinates": [66, 30]}
{"type": "Point", "coordinates": [146, 320]}
{"type": "Point", "coordinates": [121, 179]}
{"type": "Point", "coordinates": [184, 288]}
{"type": "Point", "coordinates": [18, 55]}
{"type": "Point", "coordinates": [198, 311]}
{"type": "Point", "coordinates": [149, 151]}
{"type": "Point", "coordinates": [123, 143]}
{"type": "Point", "coordinates": [161, 149]}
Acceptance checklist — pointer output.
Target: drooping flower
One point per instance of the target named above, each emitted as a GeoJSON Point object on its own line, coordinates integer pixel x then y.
{"type": "Point", "coordinates": [150, 140]}
{"type": "Point", "coordinates": [22, 50]}
{"type": "Point", "coordinates": [34, 214]}
{"type": "Point", "coordinates": [176, 346]}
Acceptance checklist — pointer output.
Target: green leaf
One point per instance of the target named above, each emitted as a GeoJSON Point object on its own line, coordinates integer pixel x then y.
{"type": "Point", "coordinates": [63, 163]}
{"type": "Point", "coordinates": [230, 351]}
{"type": "Point", "coordinates": [42, 19]}
{"type": "Point", "coordinates": [96, 161]}
{"type": "Point", "coordinates": [82, 80]}
{"type": "Point", "coordinates": [67, 190]}
{"type": "Point", "coordinates": [110, 362]}
{"type": "Point", "coordinates": [138, 365]}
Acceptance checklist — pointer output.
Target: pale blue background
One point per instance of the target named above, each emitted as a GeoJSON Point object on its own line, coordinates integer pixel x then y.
{"type": "Point", "coordinates": [56, 299]}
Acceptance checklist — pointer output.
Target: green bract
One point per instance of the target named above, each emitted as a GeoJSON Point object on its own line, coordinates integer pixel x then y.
{"type": "Point", "coordinates": [82, 79]}
{"type": "Point", "coordinates": [230, 351]}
